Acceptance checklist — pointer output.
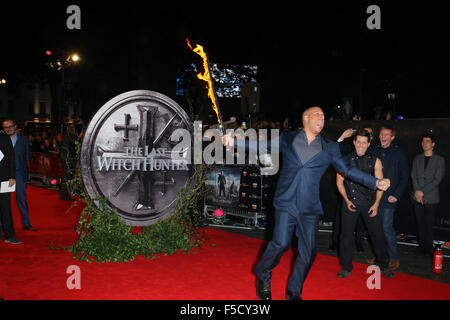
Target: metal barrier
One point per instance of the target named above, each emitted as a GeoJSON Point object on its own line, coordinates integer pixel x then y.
{"type": "Point", "coordinates": [45, 167]}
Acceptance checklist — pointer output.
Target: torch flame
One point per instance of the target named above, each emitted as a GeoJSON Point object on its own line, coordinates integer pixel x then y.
{"type": "Point", "coordinates": [206, 76]}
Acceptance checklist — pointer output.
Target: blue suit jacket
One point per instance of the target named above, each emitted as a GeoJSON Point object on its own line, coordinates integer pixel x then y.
{"type": "Point", "coordinates": [298, 185]}
{"type": "Point", "coordinates": [22, 154]}
{"type": "Point", "coordinates": [395, 168]}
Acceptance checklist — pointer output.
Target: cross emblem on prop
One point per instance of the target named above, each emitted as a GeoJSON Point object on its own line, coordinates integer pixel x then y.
{"type": "Point", "coordinates": [147, 138]}
{"type": "Point", "coordinates": [126, 127]}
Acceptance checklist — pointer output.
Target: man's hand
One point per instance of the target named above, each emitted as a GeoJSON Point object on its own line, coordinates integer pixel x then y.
{"type": "Point", "coordinates": [383, 184]}
{"type": "Point", "coordinates": [373, 210]}
{"type": "Point", "coordinates": [228, 141]}
{"type": "Point", "coordinates": [418, 195]}
{"type": "Point", "coordinates": [346, 134]}
{"type": "Point", "coordinates": [11, 182]}
{"type": "Point", "coordinates": [351, 206]}
{"type": "Point", "coordinates": [392, 199]}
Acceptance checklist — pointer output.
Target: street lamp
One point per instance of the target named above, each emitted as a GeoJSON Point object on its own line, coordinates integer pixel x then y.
{"type": "Point", "coordinates": [61, 64]}
{"type": "Point", "coordinates": [75, 57]}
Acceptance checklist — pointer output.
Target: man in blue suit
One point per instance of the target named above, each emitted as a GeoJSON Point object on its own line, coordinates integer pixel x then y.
{"type": "Point", "coordinates": [22, 154]}
{"type": "Point", "coordinates": [306, 156]}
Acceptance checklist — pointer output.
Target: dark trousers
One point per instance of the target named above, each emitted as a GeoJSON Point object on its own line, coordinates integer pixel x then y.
{"type": "Point", "coordinates": [375, 229]}
{"type": "Point", "coordinates": [360, 228]}
{"type": "Point", "coordinates": [21, 199]}
{"type": "Point", "coordinates": [6, 215]}
{"type": "Point", "coordinates": [337, 224]}
{"type": "Point", "coordinates": [64, 193]}
{"type": "Point", "coordinates": [222, 190]}
{"type": "Point", "coordinates": [425, 214]}
{"type": "Point", "coordinates": [305, 226]}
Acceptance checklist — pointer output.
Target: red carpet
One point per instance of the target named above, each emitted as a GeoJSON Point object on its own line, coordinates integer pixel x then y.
{"type": "Point", "coordinates": [220, 272]}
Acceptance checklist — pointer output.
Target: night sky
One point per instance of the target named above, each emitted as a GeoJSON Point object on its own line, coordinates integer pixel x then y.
{"type": "Point", "coordinates": [308, 55]}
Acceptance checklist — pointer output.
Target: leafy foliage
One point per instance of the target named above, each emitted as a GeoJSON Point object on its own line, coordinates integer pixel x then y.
{"type": "Point", "coordinates": [104, 237]}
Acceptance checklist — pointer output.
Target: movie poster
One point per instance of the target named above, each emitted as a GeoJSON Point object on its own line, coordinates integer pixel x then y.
{"type": "Point", "coordinates": [223, 186]}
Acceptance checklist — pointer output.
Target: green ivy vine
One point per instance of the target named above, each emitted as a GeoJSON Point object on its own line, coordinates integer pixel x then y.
{"type": "Point", "coordinates": [104, 237]}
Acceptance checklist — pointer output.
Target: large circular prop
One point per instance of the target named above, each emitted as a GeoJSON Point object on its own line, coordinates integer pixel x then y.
{"type": "Point", "coordinates": [127, 156]}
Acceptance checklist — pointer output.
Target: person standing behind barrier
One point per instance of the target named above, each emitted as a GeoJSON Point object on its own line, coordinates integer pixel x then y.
{"type": "Point", "coordinates": [36, 143]}
{"type": "Point", "coordinates": [395, 168]}
{"type": "Point", "coordinates": [57, 142]}
{"type": "Point", "coordinates": [22, 154]}
{"type": "Point", "coordinates": [67, 156]}
{"type": "Point", "coordinates": [427, 173]}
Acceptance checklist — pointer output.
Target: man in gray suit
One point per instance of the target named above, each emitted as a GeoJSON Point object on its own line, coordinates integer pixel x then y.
{"type": "Point", "coordinates": [427, 172]}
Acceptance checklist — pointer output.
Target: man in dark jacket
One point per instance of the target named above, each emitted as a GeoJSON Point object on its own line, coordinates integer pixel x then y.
{"type": "Point", "coordinates": [221, 181]}
{"type": "Point", "coordinates": [395, 168]}
{"type": "Point", "coordinates": [7, 173]}
{"type": "Point", "coordinates": [427, 172]}
{"type": "Point", "coordinates": [22, 155]}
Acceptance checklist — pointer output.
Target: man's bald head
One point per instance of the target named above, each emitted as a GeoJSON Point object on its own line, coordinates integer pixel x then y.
{"type": "Point", "coordinates": [309, 111]}
{"type": "Point", "coordinates": [313, 119]}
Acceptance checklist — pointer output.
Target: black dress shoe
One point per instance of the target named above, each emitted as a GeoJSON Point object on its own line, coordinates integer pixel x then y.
{"type": "Point", "coordinates": [30, 228]}
{"type": "Point", "coordinates": [292, 296]}
{"type": "Point", "coordinates": [13, 241]}
{"type": "Point", "coordinates": [344, 273]}
{"type": "Point", "coordinates": [388, 273]}
{"type": "Point", "coordinates": [263, 290]}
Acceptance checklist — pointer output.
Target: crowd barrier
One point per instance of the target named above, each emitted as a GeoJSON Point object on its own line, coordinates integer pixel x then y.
{"type": "Point", "coordinates": [45, 167]}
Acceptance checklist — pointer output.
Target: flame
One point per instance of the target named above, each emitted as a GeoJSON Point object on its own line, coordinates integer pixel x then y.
{"type": "Point", "coordinates": [206, 76]}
